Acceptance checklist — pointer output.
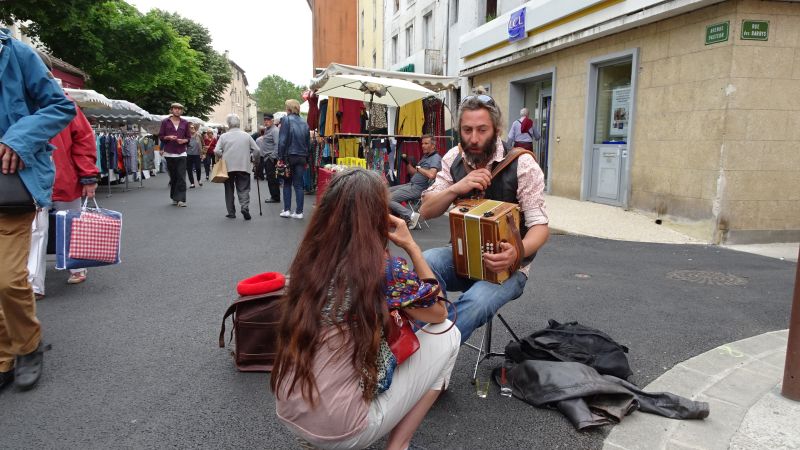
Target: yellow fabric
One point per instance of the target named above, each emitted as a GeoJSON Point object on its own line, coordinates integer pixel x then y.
{"type": "Point", "coordinates": [331, 121]}
{"type": "Point", "coordinates": [348, 148]}
{"type": "Point", "coordinates": [411, 117]}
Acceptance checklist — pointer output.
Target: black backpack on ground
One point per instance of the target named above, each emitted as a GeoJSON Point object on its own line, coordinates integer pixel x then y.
{"type": "Point", "coordinates": [573, 342]}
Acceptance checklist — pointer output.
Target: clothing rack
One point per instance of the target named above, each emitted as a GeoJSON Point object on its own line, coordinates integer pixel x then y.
{"type": "Point", "coordinates": [117, 132]}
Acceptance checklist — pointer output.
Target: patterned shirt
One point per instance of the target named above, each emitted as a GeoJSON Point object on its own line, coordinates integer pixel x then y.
{"type": "Point", "coordinates": [530, 185]}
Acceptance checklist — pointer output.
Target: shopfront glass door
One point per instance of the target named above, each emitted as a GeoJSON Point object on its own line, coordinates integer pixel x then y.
{"type": "Point", "coordinates": [613, 102]}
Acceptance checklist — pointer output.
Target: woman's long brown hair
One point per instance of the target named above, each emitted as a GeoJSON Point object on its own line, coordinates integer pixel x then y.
{"type": "Point", "coordinates": [344, 245]}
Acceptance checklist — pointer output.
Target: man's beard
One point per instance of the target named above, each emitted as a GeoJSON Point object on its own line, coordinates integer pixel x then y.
{"type": "Point", "coordinates": [479, 159]}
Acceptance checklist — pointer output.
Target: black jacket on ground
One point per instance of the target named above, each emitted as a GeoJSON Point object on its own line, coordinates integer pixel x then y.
{"type": "Point", "coordinates": [589, 399]}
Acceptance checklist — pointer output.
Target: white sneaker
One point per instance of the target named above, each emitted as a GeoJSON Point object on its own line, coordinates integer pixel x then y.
{"type": "Point", "coordinates": [412, 222]}
{"type": "Point", "coordinates": [297, 215]}
{"type": "Point", "coordinates": [286, 214]}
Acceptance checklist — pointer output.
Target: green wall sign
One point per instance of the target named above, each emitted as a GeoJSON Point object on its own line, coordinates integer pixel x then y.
{"type": "Point", "coordinates": [717, 32]}
{"type": "Point", "coordinates": [755, 30]}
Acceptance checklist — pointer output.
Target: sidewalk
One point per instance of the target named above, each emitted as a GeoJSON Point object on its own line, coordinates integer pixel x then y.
{"type": "Point", "coordinates": [740, 380]}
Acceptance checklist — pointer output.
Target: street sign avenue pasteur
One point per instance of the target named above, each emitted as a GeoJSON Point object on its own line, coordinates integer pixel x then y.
{"type": "Point", "coordinates": [755, 30]}
{"type": "Point", "coordinates": [717, 32]}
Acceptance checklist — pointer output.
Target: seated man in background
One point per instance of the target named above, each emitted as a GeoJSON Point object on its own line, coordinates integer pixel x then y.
{"type": "Point", "coordinates": [422, 174]}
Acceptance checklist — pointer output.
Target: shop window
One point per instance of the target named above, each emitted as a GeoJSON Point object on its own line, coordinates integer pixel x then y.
{"type": "Point", "coordinates": [612, 113]}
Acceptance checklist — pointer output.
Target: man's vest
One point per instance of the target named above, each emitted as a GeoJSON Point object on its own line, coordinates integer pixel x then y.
{"type": "Point", "coordinates": [503, 188]}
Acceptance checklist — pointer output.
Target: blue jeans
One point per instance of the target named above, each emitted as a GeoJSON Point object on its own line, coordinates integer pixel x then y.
{"type": "Point", "coordinates": [480, 300]}
{"type": "Point", "coordinates": [297, 165]}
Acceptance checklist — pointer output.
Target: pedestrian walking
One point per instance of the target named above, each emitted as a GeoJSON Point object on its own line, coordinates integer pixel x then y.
{"type": "Point", "coordinates": [209, 143]}
{"type": "Point", "coordinates": [33, 109]}
{"type": "Point", "coordinates": [238, 149]}
{"type": "Point", "coordinates": [336, 382]}
{"type": "Point", "coordinates": [174, 136]}
{"type": "Point", "coordinates": [268, 146]}
{"type": "Point", "coordinates": [194, 148]}
{"type": "Point", "coordinates": [293, 143]}
{"type": "Point", "coordinates": [75, 159]}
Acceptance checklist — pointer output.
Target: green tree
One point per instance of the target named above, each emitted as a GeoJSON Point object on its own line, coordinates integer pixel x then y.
{"type": "Point", "coordinates": [211, 61]}
{"type": "Point", "coordinates": [273, 91]}
{"type": "Point", "coordinates": [127, 55]}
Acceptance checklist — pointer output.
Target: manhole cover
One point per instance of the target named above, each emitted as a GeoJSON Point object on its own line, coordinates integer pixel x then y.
{"type": "Point", "coordinates": [707, 277]}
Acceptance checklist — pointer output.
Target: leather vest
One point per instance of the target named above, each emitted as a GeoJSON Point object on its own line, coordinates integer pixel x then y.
{"type": "Point", "coordinates": [503, 188]}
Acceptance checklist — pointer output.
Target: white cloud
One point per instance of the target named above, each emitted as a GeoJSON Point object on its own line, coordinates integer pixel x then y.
{"type": "Point", "coordinates": [262, 37]}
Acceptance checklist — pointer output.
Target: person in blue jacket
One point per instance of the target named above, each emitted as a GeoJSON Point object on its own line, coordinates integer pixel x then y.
{"type": "Point", "coordinates": [33, 109]}
{"type": "Point", "coordinates": [293, 144]}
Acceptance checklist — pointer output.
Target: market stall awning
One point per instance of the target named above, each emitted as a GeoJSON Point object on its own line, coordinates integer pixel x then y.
{"type": "Point", "coordinates": [433, 82]}
{"type": "Point", "coordinates": [87, 98]}
{"type": "Point", "coordinates": [121, 110]}
{"type": "Point", "coordinates": [384, 91]}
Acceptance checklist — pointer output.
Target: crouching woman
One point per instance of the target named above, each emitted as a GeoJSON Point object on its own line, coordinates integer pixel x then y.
{"type": "Point", "coordinates": [337, 383]}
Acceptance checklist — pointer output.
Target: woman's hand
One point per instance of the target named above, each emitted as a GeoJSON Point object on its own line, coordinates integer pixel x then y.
{"type": "Point", "coordinates": [399, 234]}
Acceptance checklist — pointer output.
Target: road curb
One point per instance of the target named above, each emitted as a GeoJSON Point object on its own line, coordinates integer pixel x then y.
{"type": "Point", "coordinates": [731, 378]}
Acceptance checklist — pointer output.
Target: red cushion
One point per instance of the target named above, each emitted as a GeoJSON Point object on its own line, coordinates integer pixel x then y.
{"type": "Point", "coordinates": [261, 284]}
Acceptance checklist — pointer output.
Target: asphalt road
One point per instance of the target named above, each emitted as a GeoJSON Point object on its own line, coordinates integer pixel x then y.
{"type": "Point", "coordinates": [135, 362]}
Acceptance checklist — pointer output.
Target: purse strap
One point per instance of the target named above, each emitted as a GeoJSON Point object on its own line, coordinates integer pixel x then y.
{"type": "Point", "coordinates": [452, 324]}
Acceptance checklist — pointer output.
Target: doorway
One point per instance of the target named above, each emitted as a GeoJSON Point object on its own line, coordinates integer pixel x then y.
{"type": "Point", "coordinates": [609, 128]}
{"type": "Point", "coordinates": [535, 92]}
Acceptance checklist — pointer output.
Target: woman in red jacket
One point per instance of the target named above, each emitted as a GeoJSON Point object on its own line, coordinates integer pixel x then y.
{"type": "Point", "coordinates": [75, 159]}
{"type": "Point", "coordinates": [209, 144]}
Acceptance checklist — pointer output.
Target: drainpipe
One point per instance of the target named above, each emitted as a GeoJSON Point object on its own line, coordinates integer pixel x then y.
{"type": "Point", "coordinates": [791, 373]}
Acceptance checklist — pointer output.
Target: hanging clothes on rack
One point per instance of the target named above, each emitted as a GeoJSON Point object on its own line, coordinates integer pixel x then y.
{"type": "Point", "coordinates": [411, 118]}
{"type": "Point", "coordinates": [331, 119]}
{"type": "Point", "coordinates": [378, 123]}
{"type": "Point", "coordinates": [350, 110]}
{"type": "Point", "coordinates": [313, 112]}
{"type": "Point", "coordinates": [433, 110]}
{"type": "Point", "coordinates": [323, 113]}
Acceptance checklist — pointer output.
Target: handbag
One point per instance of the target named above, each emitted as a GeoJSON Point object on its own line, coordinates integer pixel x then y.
{"type": "Point", "coordinates": [255, 322]}
{"type": "Point", "coordinates": [401, 339]}
{"type": "Point", "coordinates": [282, 170]}
{"type": "Point", "coordinates": [220, 172]}
{"type": "Point", "coordinates": [89, 237]}
{"type": "Point", "coordinates": [14, 196]}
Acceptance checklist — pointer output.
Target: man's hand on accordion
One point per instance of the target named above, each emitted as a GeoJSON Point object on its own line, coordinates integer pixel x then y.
{"type": "Point", "coordinates": [479, 179]}
{"type": "Point", "coordinates": [504, 260]}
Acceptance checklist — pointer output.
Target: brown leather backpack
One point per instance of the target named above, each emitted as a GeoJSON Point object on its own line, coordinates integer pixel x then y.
{"type": "Point", "coordinates": [255, 325]}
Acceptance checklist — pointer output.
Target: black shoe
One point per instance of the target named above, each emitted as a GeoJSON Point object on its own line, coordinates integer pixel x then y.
{"type": "Point", "coordinates": [28, 369]}
{"type": "Point", "coordinates": [230, 216]}
{"type": "Point", "coordinates": [271, 200]}
{"type": "Point", "coordinates": [246, 215]}
{"type": "Point", "coordinates": [6, 378]}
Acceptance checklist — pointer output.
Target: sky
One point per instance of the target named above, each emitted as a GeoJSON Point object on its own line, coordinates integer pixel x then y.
{"type": "Point", "coordinates": [263, 37]}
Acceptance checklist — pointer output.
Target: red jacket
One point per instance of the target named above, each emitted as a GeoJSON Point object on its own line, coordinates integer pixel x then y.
{"type": "Point", "coordinates": [75, 158]}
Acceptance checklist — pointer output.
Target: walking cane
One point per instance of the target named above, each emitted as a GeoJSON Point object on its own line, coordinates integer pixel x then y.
{"type": "Point", "coordinates": [258, 189]}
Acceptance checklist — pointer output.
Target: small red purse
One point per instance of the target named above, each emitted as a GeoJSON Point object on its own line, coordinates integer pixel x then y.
{"type": "Point", "coordinates": [402, 340]}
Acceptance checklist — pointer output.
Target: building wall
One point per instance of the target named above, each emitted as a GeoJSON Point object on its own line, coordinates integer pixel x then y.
{"type": "Point", "coordinates": [716, 127]}
{"type": "Point", "coordinates": [370, 33]}
{"type": "Point", "coordinates": [234, 100]}
{"type": "Point", "coordinates": [335, 32]}
{"type": "Point", "coordinates": [397, 20]}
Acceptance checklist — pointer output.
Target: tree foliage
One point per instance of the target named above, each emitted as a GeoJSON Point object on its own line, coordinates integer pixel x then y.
{"type": "Point", "coordinates": [211, 61]}
{"type": "Point", "coordinates": [145, 58]}
{"type": "Point", "coordinates": [273, 91]}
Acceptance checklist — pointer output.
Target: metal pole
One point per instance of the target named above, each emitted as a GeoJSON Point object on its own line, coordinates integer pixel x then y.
{"type": "Point", "coordinates": [791, 373]}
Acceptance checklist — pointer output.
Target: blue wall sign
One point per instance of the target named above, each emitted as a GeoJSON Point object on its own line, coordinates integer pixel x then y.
{"type": "Point", "coordinates": [516, 26]}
